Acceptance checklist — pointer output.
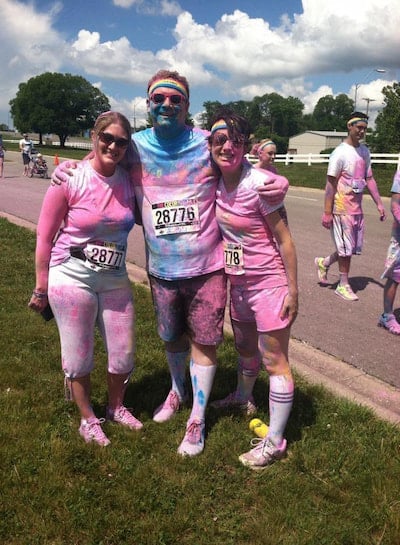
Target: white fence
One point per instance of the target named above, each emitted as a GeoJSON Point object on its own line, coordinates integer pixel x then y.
{"type": "Point", "coordinates": [315, 158]}
{"type": "Point", "coordinates": [287, 158]}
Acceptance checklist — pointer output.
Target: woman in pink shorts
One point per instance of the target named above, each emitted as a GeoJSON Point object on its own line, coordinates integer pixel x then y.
{"type": "Point", "coordinates": [260, 260]}
{"type": "Point", "coordinates": [83, 273]}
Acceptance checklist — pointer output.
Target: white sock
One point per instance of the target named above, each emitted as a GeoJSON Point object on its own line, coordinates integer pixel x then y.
{"type": "Point", "coordinates": [202, 380]}
{"type": "Point", "coordinates": [177, 368]}
{"type": "Point", "coordinates": [248, 370]}
{"type": "Point", "coordinates": [281, 393]}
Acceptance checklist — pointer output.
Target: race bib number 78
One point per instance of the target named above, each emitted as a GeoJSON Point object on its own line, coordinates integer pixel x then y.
{"type": "Point", "coordinates": [233, 258]}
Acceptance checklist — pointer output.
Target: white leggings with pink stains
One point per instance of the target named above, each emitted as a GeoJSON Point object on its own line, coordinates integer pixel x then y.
{"type": "Point", "coordinates": [81, 299]}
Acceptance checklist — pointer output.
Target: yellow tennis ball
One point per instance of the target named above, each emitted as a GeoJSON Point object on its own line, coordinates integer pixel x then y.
{"type": "Point", "coordinates": [258, 427]}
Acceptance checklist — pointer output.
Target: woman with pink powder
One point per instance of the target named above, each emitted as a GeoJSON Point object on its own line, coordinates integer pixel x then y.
{"type": "Point", "coordinates": [266, 151]}
{"type": "Point", "coordinates": [82, 275]}
{"type": "Point", "coordinates": [260, 260]}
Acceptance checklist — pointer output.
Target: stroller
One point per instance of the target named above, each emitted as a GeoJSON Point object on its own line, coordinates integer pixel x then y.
{"type": "Point", "coordinates": [39, 166]}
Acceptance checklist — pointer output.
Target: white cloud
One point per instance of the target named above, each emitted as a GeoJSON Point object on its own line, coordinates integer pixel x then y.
{"type": "Point", "coordinates": [237, 58]}
{"type": "Point", "coordinates": [127, 3]}
{"type": "Point", "coordinates": [117, 59]}
{"type": "Point", "coordinates": [169, 8]}
{"type": "Point", "coordinates": [29, 46]}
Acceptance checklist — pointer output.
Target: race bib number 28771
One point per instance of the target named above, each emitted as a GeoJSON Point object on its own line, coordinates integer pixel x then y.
{"type": "Point", "coordinates": [105, 256]}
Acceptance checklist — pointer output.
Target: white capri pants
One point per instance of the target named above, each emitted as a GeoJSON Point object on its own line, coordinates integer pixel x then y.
{"type": "Point", "coordinates": [81, 298]}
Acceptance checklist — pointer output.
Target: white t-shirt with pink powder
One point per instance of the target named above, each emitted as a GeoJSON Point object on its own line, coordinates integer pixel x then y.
{"type": "Point", "coordinates": [99, 209]}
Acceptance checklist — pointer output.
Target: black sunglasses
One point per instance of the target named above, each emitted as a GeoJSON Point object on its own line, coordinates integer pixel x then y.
{"type": "Point", "coordinates": [159, 98]}
{"type": "Point", "coordinates": [109, 139]}
{"type": "Point", "coordinates": [221, 139]}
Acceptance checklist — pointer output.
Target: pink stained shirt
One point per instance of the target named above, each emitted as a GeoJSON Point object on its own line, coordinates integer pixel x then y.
{"type": "Point", "coordinates": [241, 217]}
{"type": "Point", "coordinates": [351, 167]}
{"type": "Point", "coordinates": [173, 181]}
{"type": "Point", "coordinates": [90, 208]}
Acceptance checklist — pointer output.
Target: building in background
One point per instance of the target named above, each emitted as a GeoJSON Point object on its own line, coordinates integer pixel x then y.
{"type": "Point", "coordinates": [315, 141]}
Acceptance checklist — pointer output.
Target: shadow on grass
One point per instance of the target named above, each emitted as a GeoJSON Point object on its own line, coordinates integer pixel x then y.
{"type": "Point", "coordinates": [149, 391]}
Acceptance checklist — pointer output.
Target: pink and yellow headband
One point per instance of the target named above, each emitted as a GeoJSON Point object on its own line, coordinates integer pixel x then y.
{"type": "Point", "coordinates": [171, 84]}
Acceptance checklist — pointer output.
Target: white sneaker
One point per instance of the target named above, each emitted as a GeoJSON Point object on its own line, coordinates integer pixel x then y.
{"type": "Point", "coordinates": [193, 442]}
{"type": "Point", "coordinates": [168, 409]}
{"type": "Point", "coordinates": [263, 454]}
{"type": "Point", "coordinates": [345, 292]}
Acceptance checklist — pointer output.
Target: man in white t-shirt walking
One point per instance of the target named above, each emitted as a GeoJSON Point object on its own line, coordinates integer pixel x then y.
{"type": "Point", "coordinates": [349, 173]}
{"type": "Point", "coordinates": [25, 147]}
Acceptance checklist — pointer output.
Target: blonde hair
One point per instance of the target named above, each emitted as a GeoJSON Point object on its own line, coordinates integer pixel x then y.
{"type": "Point", "coordinates": [107, 118]}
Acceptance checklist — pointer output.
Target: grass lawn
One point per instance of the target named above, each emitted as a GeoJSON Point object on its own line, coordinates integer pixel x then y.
{"type": "Point", "coordinates": [338, 486]}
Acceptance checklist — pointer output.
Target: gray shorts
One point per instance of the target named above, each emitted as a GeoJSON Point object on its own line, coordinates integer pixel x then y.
{"type": "Point", "coordinates": [195, 306]}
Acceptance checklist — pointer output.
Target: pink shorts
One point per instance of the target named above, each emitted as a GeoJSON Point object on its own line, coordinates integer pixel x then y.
{"type": "Point", "coordinates": [195, 306]}
{"type": "Point", "coordinates": [348, 234]}
{"type": "Point", "coordinates": [262, 306]}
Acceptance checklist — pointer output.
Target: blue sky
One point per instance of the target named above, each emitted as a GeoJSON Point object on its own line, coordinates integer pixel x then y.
{"type": "Point", "coordinates": [228, 50]}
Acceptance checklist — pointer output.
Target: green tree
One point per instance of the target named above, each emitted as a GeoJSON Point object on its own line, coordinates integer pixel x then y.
{"type": "Point", "coordinates": [332, 113]}
{"type": "Point", "coordinates": [210, 107]}
{"type": "Point", "coordinates": [386, 137]}
{"type": "Point", "coordinates": [278, 118]}
{"type": "Point", "coordinates": [62, 104]}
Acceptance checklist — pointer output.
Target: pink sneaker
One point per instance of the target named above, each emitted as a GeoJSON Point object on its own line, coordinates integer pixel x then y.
{"type": "Point", "coordinates": [232, 400]}
{"type": "Point", "coordinates": [389, 322]}
{"type": "Point", "coordinates": [123, 416]}
{"type": "Point", "coordinates": [167, 409]}
{"type": "Point", "coordinates": [91, 430]}
{"type": "Point", "coordinates": [193, 442]}
{"type": "Point", "coordinates": [263, 454]}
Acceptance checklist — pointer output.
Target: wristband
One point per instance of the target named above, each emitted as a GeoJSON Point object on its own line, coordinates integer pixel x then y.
{"type": "Point", "coordinates": [39, 294]}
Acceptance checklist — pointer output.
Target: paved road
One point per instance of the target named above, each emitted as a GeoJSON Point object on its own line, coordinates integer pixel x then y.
{"type": "Point", "coordinates": [345, 331]}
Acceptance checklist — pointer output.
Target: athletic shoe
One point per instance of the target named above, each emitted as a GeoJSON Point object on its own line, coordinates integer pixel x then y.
{"type": "Point", "coordinates": [389, 322]}
{"type": "Point", "coordinates": [322, 271]}
{"type": "Point", "coordinates": [193, 442]}
{"type": "Point", "coordinates": [167, 409]}
{"type": "Point", "coordinates": [263, 454]}
{"type": "Point", "coordinates": [345, 292]}
{"type": "Point", "coordinates": [91, 430]}
{"type": "Point", "coordinates": [123, 416]}
{"type": "Point", "coordinates": [231, 400]}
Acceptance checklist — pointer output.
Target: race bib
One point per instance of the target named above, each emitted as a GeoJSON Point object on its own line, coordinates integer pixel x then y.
{"type": "Point", "coordinates": [175, 217]}
{"type": "Point", "coordinates": [104, 256]}
{"type": "Point", "coordinates": [358, 186]}
{"type": "Point", "coordinates": [233, 258]}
